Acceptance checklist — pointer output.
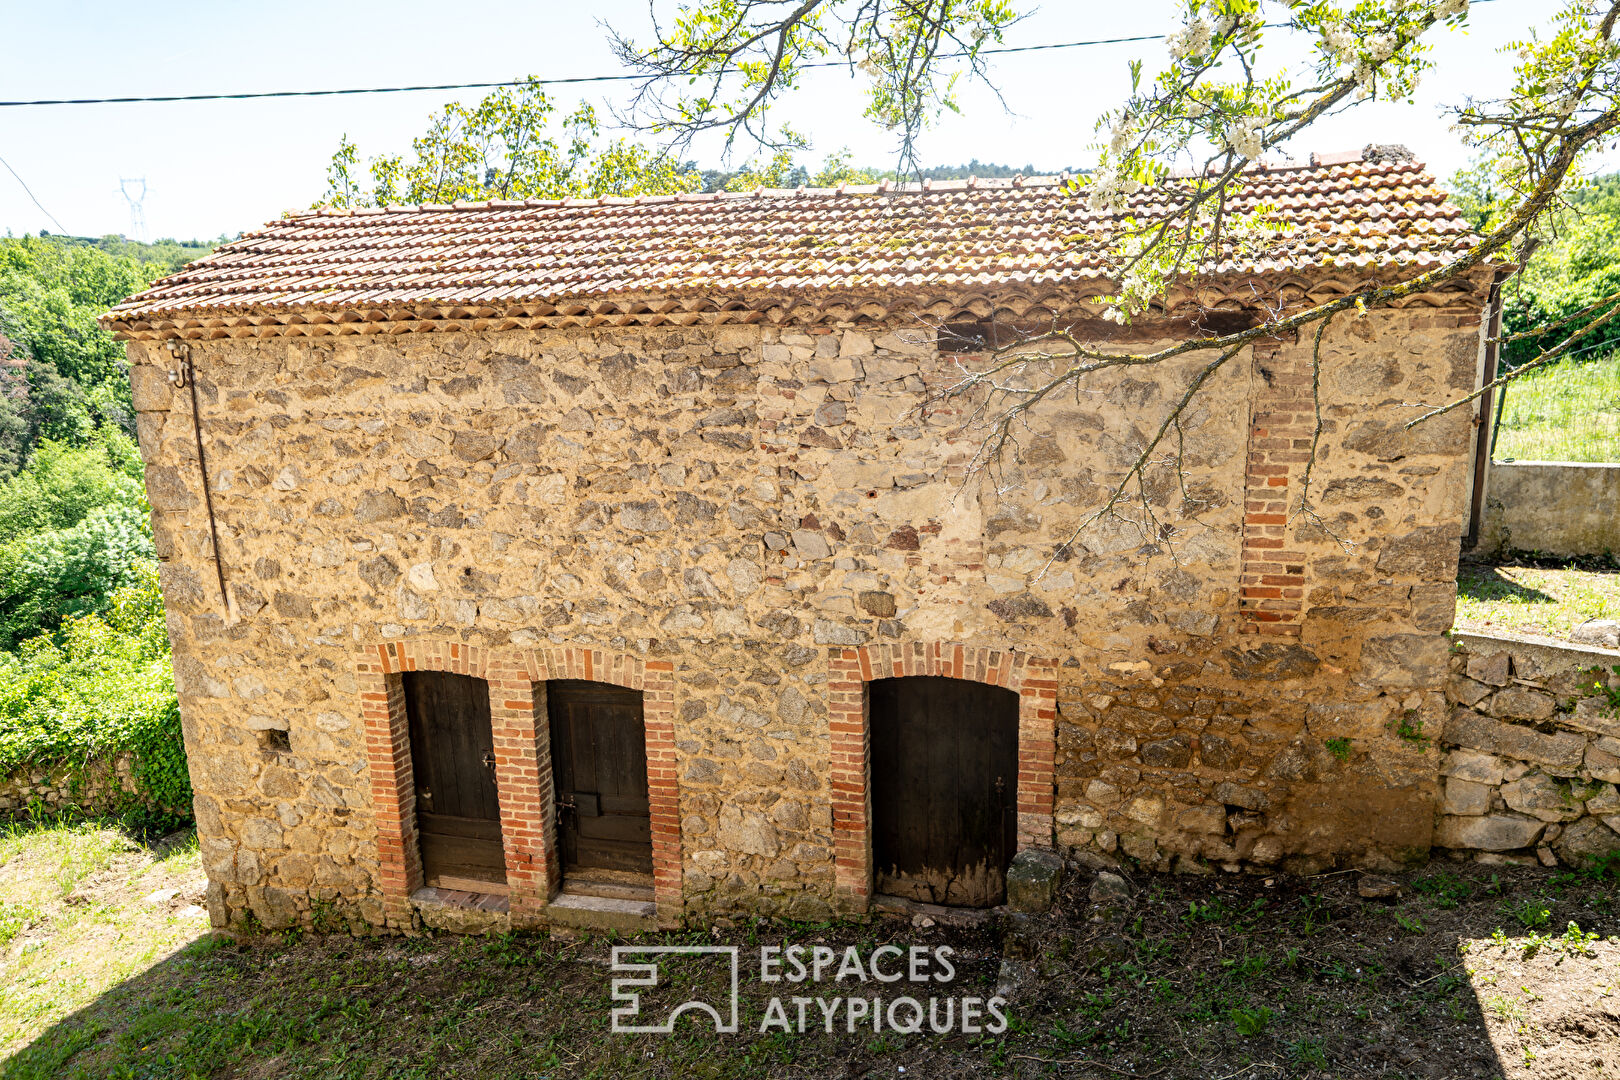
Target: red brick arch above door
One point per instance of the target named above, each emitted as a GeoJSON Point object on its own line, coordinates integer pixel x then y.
{"type": "Point", "coordinates": [1033, 679]}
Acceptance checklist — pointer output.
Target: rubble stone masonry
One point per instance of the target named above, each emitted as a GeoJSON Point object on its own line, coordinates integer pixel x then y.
{"type": "Point", "coordinates": [753, 522]}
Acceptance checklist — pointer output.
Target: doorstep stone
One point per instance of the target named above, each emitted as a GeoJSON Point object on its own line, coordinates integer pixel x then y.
{"type": "Point", "coordinates": [602, 913]}
{"type": "Point", "coordinates": [457, 912]}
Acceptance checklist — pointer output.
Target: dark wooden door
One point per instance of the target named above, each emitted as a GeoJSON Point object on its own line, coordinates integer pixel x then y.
{"type": "Point", "coordinates": [944, 769]}
{"type": "Point", "coordinates": [599, 759]}
{"type": "Point", "coordinates": [452, 754]}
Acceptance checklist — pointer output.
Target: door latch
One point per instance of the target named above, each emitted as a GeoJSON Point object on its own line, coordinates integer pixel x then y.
{"type": "Point", "coordinates": [489, 760]}
{"type": "Point", "coordinates": [566, 802]}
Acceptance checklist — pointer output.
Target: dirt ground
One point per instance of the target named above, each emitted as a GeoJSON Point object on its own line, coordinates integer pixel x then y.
{"type": "Point", "coordinates": [1468, 971]}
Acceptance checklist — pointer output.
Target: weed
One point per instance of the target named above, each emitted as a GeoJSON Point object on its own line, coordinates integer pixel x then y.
{"type": "Point", "coordinates": [1339, 748]}
{"type": "Point", "coordinates": [1604, 867]}
{"type": "Point", "coordinates": [14, 919]}
{"type": "Point", "coordinates": [1447, 888]}
{"type": "Point", "coordinates": [1529, 913]}
{"type": "Point", "coordinates": [1411, 924]}
{"type": "Point", "coordinates": [1250, 1022]}
{"type": "Point", "coordinates": [1249, 967]}
{"type": "Point", "coordinates": [1313, 914]}
{"type": "Point", "coordinates": [1308, 1052]}
{"type": "Point", "coordinates": [1409, 727]}
{"type": "Point", "coordinates": [1065, 1036]}
{"type": "Point", "coordinates": [1572, 942]}
{"type": "Point", "coordinates": [1213, 910]}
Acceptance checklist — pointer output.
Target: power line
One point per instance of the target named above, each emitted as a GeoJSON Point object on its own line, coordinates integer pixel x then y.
{"type": "Point", "coordinates": [25, 187]}
{"type": "Point", "coordinates": [521, 82]}
{"type": "Point", "coordinates": [574, 80]}
{"type": "Point", "coordinates": [511, 82]}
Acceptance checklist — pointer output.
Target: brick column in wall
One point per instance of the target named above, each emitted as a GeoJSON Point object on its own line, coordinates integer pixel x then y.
{"type": "Point", "coordinates": [393, 790]}
{"type": "Point", "coordinates": [1037, 750]}
{"type": "Point", "coordinates": [523, 777]}
{"type": "Point", "coordinates": [851, 805]}
{"type": "Point", "coordinates": [663, 792]}
{"type": "Point", "coordinates": [1271, 588]}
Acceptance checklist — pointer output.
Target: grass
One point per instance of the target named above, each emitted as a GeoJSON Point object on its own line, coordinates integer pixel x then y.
{"type": "Point", "coordinates": [75, 921]}
{"type": "Point", "coordinates": [1531, 596]}
{"type": "Point", "coordinates": [1569, 411]}
{"type": "Point", "coordinates": [1195, 977]}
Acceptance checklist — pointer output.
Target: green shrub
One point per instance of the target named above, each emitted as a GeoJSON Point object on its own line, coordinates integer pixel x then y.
{"type": "Point", "coordinates": [47, 578]}
{"type": "Point", "coordinates": [73, 528]}
{"type": "Point", "coordinates": [97, 688]}
{"type": "Point", "coordinates": [63, 484]}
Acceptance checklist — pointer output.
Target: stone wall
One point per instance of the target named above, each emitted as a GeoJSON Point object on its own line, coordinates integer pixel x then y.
{"type": "Point", "coordinates": [96, 788]}
{"type": "Point", "coordinates": [1533, 752]}
{"type": "Point", "coordinates": [1559, 507]}
{"type": "Point", "coordinates": [750, 505]}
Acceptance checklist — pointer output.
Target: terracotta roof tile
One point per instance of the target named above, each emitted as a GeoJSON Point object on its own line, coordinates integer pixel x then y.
{"type": "Point", "coordinates": [1332, 213]}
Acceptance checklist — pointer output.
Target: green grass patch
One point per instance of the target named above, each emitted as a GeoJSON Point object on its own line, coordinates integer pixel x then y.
{"type": "Point", "coordinates": [1206, 977]}
{"type": "Point", "coordinates": [1540, 599]}
{"type": "Point", "coordinates": [1568, 411]}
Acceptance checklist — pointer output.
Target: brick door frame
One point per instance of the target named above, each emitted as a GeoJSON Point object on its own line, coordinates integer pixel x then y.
{"type": "Point", "coordinates": [523, 775]}
{"type": "Point", "coordinates": [655, 680]}
{"type": "Point", "coordinates": [1033, 679]}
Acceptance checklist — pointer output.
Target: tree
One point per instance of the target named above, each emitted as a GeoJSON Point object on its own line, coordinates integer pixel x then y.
{"type": "Point", "coordinates": [1189, 132]}
{"type": "Point", "coordinates": [64, 376]}
{"type": "Point", "coordinates": [504, 148]}
{"type": "Point", "coordinates": [723, 64]}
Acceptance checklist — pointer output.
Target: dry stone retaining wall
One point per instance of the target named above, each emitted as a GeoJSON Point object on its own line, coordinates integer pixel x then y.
{"type": "Point", "coordinates": [747, 504]}
{"type": "Point", "coordinates": [94, 788]}
{"type": "Point", "coordinates": [1533, 754]}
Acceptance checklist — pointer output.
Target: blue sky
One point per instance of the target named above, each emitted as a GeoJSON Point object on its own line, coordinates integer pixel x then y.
{"type": "Point", "coordinates": [223, 167]}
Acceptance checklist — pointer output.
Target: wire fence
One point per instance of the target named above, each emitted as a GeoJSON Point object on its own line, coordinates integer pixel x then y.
{"type": "Point", "coordinates": [1570, 411]}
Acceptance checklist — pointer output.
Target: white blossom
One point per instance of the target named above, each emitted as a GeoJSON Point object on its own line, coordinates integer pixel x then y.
{"type": "Point", "coordinates": [1244, 137]}
{"type": "Point", "coordinates": [1192, 42]}
{"type": "Point", "coordinates": [1447, 8]}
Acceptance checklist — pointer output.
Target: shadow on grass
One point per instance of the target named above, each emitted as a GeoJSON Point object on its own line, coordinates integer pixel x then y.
{"type": "Point", "coordinates": [160, 837]}
{"type": "Point", "coordinates": [1194, 977]}
{"type": "Point", "coordinates": [1487, 583]}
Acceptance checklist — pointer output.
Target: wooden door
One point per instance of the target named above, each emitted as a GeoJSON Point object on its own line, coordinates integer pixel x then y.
{"type": "Point", "coordinates": [452, 754]}
{"type": "Point", "coordinates": [944, 782]}
{"type": "Point", "coordinates": [599, 759]}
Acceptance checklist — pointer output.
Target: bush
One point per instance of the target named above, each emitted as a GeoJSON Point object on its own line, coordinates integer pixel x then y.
{"type": "Point", "coordinates": [48, 578]}
{"type": "Point", "coordinates": [73, 529]}
{"type": "Point", "coordinates": [63, 483]}
{"type": "Point", "coordinates": [98, 688]}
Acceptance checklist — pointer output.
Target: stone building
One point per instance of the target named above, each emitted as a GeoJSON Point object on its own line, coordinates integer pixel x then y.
{"type": "Point", "coordinates": [468, 513]}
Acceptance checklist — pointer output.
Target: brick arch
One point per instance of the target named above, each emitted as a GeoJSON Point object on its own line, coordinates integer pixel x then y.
{"type": "Point", "coordinates": [517, 679]}
{"type": "Point", "coordinates": [1033, 679]}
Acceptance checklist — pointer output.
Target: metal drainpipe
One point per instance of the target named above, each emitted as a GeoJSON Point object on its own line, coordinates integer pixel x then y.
{"type": "Point", "coordinates": [1484, 425]}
